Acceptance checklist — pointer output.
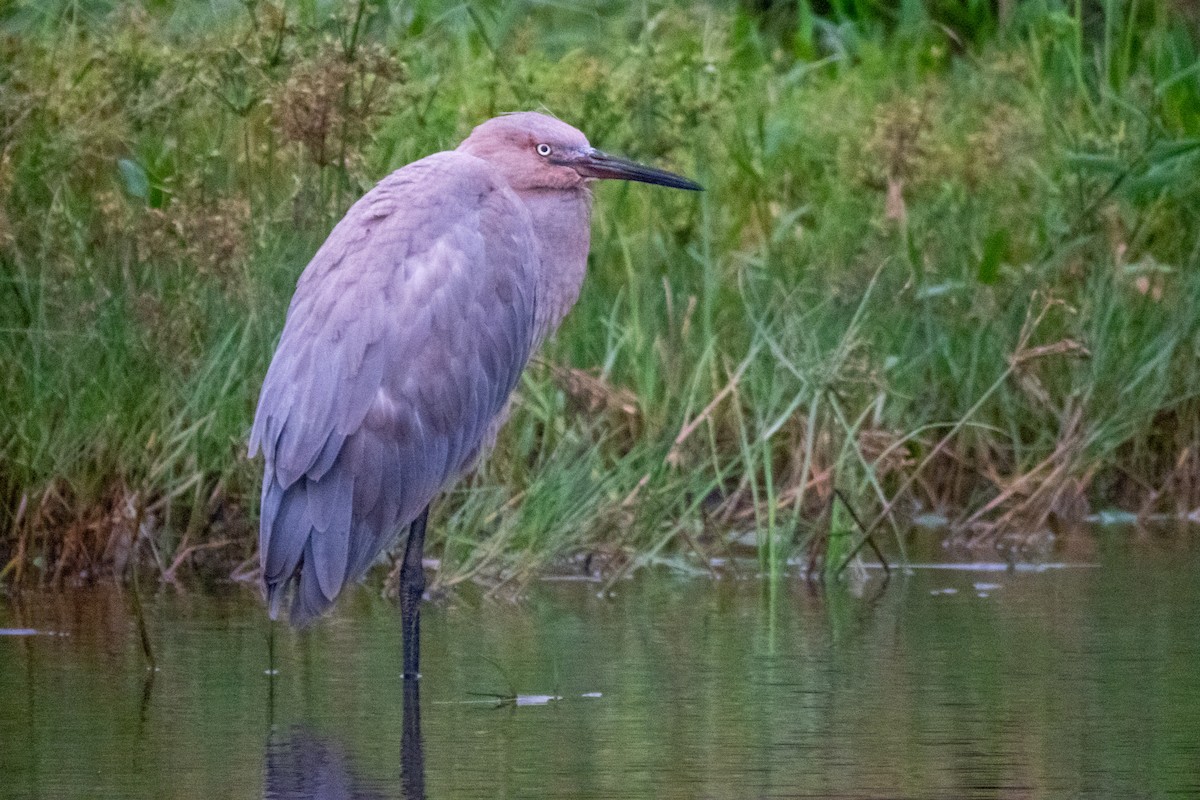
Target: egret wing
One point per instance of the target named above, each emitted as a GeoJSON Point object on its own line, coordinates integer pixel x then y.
{"type": "Point", "coordinates": [407, 333]}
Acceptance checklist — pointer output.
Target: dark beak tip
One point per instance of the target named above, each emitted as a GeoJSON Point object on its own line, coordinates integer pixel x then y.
{"type": "Point", "coordinates": [604, 166]}
{"type": "Point", "coordinates": [682, 183]}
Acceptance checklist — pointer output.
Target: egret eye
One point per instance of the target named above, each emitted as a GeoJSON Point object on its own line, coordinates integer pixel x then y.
{"type": "Point", "coordinates": [543, 150]}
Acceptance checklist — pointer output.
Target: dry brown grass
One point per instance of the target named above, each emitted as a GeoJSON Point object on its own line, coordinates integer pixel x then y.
{"type": "Point", "coordinates": [331, 101]}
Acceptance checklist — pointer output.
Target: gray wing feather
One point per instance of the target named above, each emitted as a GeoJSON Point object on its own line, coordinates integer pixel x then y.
{"type": "Point", "coordinates": [407, 333]}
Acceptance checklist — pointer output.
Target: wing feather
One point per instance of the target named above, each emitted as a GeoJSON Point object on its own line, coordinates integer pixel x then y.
{"type": "Point", "coordinates": [406, 335]}
{"type": "Point", "coordinates": [287, 535]}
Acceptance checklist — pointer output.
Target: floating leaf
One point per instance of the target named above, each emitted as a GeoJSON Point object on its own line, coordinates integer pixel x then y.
{"type": "Point", "coordinates": [136, 181]}
{"type": "Point", "coordinates": [937, 290]}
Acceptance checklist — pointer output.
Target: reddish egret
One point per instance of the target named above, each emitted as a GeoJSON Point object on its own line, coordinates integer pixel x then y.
{"type": "Point", "coordinates": [405, 337]}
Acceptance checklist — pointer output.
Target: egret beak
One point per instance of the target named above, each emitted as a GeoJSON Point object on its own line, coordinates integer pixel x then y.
{"type": "Point", "coordinates": [596, 164]}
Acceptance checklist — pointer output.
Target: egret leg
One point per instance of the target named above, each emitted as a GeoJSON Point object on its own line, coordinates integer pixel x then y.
{"type": "Point", "coordinates": [412, 589]}
{"type": "Point", "coordinates": [412, 750]}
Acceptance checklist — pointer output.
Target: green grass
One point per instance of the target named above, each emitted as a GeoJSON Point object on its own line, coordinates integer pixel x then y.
{"type": "Point", "coordinates": [944, 261]}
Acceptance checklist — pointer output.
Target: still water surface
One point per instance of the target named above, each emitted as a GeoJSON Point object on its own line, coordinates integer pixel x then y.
{"type": "Point", "coordinates": [1078, 682]}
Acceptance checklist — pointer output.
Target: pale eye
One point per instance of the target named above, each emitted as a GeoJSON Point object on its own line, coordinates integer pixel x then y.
{"type": "Point", "coordinates": [543, 150]}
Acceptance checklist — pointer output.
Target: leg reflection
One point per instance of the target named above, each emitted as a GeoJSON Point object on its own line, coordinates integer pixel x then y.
{"type": "Point", "coordinates": [301, 763]}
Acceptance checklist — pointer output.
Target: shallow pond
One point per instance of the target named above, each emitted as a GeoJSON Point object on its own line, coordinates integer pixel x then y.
{"type": "Point", "coordinates": [1073, 682]}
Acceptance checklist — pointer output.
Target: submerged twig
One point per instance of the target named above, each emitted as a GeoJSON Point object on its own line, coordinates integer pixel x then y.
{"type": "Point", "coordinates": [138, 610]}
{"type": "Point", "coordinates": [837, 493]}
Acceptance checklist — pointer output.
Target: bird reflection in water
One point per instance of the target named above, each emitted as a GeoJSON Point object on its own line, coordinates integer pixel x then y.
{"type": "Point", "coordinates": [301, 764]}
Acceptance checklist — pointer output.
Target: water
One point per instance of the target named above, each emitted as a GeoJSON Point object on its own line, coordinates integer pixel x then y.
{"type": "Point", "coordinates": [1063, 683]}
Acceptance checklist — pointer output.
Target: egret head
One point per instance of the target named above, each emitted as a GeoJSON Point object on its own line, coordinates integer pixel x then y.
{"type": "Point", "coordinates": [534, 151]}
